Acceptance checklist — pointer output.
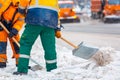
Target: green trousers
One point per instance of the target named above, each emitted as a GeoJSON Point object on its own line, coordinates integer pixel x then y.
{"type": "Point", "coordinates": [47, 36]}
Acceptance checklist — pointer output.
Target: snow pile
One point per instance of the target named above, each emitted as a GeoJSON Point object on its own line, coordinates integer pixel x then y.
{"type": "Point", "coordinates": [104, 56]}
{"type": "Point", "coordinates": [69, 67]}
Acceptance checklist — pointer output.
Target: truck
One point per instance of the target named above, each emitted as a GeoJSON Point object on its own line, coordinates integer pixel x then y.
{"type": "Point", "coordinates": [67, 12]}
{"type": "Point", "coordinates": [106, 10]}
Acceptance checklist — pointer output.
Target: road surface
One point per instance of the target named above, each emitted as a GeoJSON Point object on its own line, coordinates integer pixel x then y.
{"type": "Point", "coordinates": [94, 33]}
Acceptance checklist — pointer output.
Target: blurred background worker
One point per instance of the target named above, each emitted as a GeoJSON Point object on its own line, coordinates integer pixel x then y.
{"type": "Point", "coordinates": [13, 20]}
{"type": "Point", "coordinates": [41, 20]}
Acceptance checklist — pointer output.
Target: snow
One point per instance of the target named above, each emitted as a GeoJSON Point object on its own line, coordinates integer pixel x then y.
{"type": "Point", "coordinates": [69, 66]}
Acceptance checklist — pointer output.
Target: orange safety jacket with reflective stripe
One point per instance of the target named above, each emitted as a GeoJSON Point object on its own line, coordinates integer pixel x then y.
{"type": "Point", "coordinates": [10, 14]}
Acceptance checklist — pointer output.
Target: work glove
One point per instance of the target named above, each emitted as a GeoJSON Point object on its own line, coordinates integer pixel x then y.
{"type": "Point", "coordinates": [13, 32]}
{"type": "Point", "coordinates": [58, 31]}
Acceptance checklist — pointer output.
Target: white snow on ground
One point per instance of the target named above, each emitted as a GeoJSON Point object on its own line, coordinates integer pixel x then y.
{"type": "Point", "coordinates": [69, 66]}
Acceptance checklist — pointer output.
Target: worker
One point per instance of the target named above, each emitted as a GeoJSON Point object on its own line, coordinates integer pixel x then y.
{"type": "Point", "coordinates": [41, 20]}
{"type": "Point", "coordinates": [13, 20]}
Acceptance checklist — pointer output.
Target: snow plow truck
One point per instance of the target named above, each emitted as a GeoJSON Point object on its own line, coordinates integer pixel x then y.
{"type": "Point", "coordinates": [106, 10]}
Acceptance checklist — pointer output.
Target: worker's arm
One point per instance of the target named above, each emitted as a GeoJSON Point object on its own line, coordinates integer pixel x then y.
{"type": "Point", "coordinates": [17, 26]}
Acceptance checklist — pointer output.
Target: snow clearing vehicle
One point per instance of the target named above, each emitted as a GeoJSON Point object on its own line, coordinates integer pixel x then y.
{"type": "Point", "coordinates": [106, 10]}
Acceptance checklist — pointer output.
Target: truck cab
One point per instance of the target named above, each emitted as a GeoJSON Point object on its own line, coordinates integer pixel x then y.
{"type": "Point", "coordinates": [111, 10]}
{"type": "Point", "coordinates": [67, 12]}
{"type": "Point", "coordinates": [106, 10]}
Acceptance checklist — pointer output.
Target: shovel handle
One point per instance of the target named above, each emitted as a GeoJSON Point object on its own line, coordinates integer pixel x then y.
{"type": "Point", "coordinates": [8, 33]}
{"type": "Point", "coordinates": [69, 42]}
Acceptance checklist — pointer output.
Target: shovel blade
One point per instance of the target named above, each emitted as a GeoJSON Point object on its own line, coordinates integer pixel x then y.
{"type": "Point", "coordinates": [85, 51]}
{"type": "Point", "coordinates": [36, 67]}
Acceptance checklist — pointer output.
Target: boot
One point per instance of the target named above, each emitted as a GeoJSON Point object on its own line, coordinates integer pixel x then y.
{"type": "Point", "coordinates": [2, 64]}
{"type": "Point", "coordinates": [19, 73]}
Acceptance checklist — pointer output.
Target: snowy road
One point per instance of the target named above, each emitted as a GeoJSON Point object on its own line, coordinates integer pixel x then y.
{"type": "Point", "coordinates": [93, 33]}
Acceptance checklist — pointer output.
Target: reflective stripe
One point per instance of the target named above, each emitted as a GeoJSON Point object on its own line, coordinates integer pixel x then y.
{"type": "Point", "coordinates": [35, 6]}
{"type": "Point", "coordinates": [24, 56]}
{"type": "Point", "coordinates": [51, 61]}
{"type": "Point", "coordinates": [21, 19]}
{"type": "Point", "coordinates": [37, 2]}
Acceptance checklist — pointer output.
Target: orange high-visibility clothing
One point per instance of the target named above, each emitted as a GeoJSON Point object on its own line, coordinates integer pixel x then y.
{"type": "Point", "coordinates": [13, 19]}
{"type": "Point", "coordinates": [8, 10]}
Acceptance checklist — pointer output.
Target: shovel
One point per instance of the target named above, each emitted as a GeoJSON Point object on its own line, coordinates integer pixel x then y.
{"type": "Point", "coordinates": [34, 68]}
{"type": "Point", "coordinates": [82, 50]}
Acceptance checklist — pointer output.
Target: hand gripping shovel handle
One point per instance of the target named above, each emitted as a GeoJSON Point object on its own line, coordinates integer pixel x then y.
{"type": "Point", "coordinates": [69, 42]}
{"type": "Point", "coordinates": [8, 33]}
{"type": "Point", "coordinates": [16, 42]}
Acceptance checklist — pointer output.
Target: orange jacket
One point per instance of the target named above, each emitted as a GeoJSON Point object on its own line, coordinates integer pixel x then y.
{"type": "Point", "coordinates": [9, 13]}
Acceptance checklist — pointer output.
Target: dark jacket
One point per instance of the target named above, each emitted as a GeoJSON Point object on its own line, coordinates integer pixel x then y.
{"type": "Point", "coordinates": [41, 16]}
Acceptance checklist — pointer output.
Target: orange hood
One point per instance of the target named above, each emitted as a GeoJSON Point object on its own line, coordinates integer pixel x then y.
{"type": "Point", "coordinates": [112, 7]}
{"type": "Point", "coordinates": [65, 12]}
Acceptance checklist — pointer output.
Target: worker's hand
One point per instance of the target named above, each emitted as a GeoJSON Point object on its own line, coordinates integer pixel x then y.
{"type": "Point", "coordinates": [13, 33]}
{"type": "Point", "coordinates": [58, 33]}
